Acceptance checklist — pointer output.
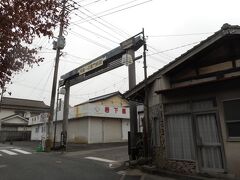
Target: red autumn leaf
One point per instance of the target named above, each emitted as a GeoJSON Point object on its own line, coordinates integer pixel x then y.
{"type": "Point", "coordinates": [20, 22]}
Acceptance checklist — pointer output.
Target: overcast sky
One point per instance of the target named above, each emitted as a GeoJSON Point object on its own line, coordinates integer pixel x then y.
{"type": "Point", "coordinates": [168, 24]}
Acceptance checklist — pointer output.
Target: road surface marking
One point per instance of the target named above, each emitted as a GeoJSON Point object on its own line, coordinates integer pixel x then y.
{"type": "Point", "coordinates": [0, 155]}
{"type": "Point", "coordinates": [9, 152]}
{"type": "Point", "coordinates": [100, 159]}
{"type": "Point", "coordinates": [21, 151]}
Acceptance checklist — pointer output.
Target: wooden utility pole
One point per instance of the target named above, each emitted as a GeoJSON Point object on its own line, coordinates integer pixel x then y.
{"type": "Point", "coordinates": [58, 45]}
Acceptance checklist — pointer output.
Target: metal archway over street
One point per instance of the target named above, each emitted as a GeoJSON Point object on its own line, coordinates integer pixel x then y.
{"type": "Point", "coordinates": [100, 65]}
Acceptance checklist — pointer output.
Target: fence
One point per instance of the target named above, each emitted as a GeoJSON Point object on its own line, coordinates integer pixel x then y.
{"type": "Point", "coordinates": [15, 136]}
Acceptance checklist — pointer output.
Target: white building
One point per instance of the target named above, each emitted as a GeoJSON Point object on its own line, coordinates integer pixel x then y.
{"type": "Point", "coordinates": [15, 113]}
{"type": "Point", "coordinates": [99, 120]}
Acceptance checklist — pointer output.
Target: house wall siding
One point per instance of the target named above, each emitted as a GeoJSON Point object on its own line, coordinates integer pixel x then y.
{"type": "Point", "coordinates": [232, 156]}
{"type": "Point", "coordinates": [231, 147]}
{"type": "Point", "coordinates": [5, 113]}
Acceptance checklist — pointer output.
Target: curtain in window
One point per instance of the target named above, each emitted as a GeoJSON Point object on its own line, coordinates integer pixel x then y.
{"type": "Point", "coordinates": [180, 137]}
{"type": "Point", "coordinates": [211, 146]}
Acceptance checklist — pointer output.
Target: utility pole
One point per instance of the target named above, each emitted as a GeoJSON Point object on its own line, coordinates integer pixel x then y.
{"type": "Point", "coordinates": [133, 107]}
{"type": "Point", "coordinates": [58, 45]}
{"type": "Point", "coordinates": [55, 125]}
{"type": "Point", "coordinates": [65, 117]}
{"type": "Point", "coordinates": [147, 138]}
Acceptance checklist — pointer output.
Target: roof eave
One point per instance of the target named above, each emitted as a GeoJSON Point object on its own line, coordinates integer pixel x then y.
{"type": "Point", "coordinates": [230, 30]}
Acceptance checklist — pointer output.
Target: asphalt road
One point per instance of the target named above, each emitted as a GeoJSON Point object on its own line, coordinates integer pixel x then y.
{"type": "Point", "coordinates": [23, 163]}
{"type": "Point", "coordinates": [44, 166]}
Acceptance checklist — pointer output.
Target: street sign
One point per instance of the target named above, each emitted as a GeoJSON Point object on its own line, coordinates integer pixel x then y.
{"type": "Point", "coordinates": [91, 66]}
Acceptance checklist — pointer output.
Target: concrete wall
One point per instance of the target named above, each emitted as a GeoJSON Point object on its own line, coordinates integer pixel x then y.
{"type": "Point", "coordinates": [37, 135]}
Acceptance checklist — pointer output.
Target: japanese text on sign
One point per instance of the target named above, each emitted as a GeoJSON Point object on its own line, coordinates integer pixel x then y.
{"type": "Point", "coordinates": [91, 66]}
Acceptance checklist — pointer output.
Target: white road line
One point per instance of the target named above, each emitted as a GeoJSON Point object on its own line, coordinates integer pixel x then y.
{"type": "Point", "coordinates": [21, 151]}
{"type": "Point", "coordinates": [9, 152]}
{"type": "Point", "coordinates": [100, 159]}
{"type": "Point", "coordinates": [0, 155]}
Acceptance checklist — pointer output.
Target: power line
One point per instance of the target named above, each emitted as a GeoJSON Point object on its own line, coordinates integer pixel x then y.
{"type": "Point", "coordinates": [110, 26]}
{"type": "Point", "coordinates": [98, 15]}
{"type": "Point", "coordinates": [96, 34]}
{"type": "Point", "coordinates": [113, 28]}
{"type": "Point", "coordinates": [95, 1]}
{"type": "Point", "coordinates": [94, 92]}
{"type": "Point", "coordinates": [97, 26]}
{"type": "Point", "coordinates": [174, 35]}
{"type": "Point", "coordinates": [45, 84]}
{"type": "Point", "coordinates": [90, 40]}
{"type": "Point", "coordinates": [156, 50]}
{"type": "Point", "coordinates": [174, 48]}
{"type": "Point", "coordinates": [48, 70]}
{"type": "Point", "coordinates": [112, 8]}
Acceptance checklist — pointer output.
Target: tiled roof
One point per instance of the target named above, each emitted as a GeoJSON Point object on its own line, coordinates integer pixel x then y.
{"type": "Point", "coordinates": [15, 102]}
{"type": "Point", "coordinates": [105, 96]}
{"type": "Point", "coordinates": [225, 30]}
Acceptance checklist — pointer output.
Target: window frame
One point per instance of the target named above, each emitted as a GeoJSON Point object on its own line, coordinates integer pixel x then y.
{"type": "Point", "coordinates": [229, 138]}
{"type": "Point", "coordinates": [191, 112]}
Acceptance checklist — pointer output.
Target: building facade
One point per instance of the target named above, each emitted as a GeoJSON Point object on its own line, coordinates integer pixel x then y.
{"type": "Point", "coordinates": [15, 113]}
{"type": "Point", "coordinates": [194, 108]}
{"type": "Point", "coordinates": [100, 120]}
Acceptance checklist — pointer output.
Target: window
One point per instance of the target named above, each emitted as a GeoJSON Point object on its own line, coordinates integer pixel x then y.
{"type": "Point", "coordinates": [232, 117]}
{"type": "Point", "coordinates": [180, 137]}
{"type": "Point", "coordinates": [36, 129]}
{"type": "Point", "coordinates": [179, 122]}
